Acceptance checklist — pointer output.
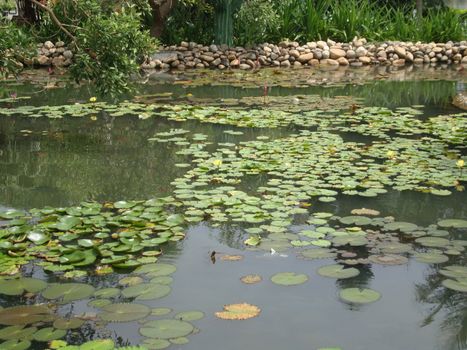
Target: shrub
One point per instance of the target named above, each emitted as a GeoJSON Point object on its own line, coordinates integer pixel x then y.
{"type": "Point", "coordinates": [15, 43]}
{"type": "Point", "coordinates": [256, 22]}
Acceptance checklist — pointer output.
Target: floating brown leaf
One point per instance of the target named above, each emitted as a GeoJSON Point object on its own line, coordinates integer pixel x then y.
{"type": "Point", "coordinates": [251, 279]}
{"type": "Point", "coordinates": [241, 311]}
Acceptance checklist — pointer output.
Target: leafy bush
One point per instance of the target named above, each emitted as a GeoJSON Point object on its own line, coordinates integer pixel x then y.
{"type": "Point", "coordinates": [108, 49]}
{"type": "Point", "coordinates": [256, 22]}
{"type": "Point", "coordinates": [15, 43]}
{"type": "Point", "coordinates": [190, 21]}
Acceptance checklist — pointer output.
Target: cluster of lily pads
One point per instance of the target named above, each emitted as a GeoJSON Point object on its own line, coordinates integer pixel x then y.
{"type": "Point", "coordinates": [42, 321]}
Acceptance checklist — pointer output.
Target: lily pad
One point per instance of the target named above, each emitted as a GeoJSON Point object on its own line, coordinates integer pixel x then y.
{"type": "Point", "coordinates": [68, 291]}
{"type": "Point", "coordinates": [251, 279]}
{"type": "Point", "coordinates": [22, 315]}
{"type": "Point", "coordinates": [124, 312]}
{"type": "Point", "coordinates": [338, 271]}
{"type": "Point", "coordinates": [431, 258]}
{"type": "Point", "coordinates": [453, 223]}
{"type": "Point", "coordinates": [71, 323]}
{"type": "Point", "coordinates": [433, 241]}
{"type": "Point", "coordinates": [48, 334]}
{"type": "Point", "coordinates": [20, 285]}
{"type": "Point", "coordinates": [15, 344]}
{"type": "Point", "coordinates": [189, 315]}
{"type": "Point", "coordinates": [241, 311]}
{"type": "Point", "coordinates": [17, 332]}
{"type": "Point", "coordinates": [166, 329]}
{"type": "Point", "coordinates": [289, 278]}
{"type": "Point", "coordinates": [388, 259]}
{"type": "Point", "coordinates": [146, 291]}
{"type": "Point", "coordinates": [156, 269]}
{"type": "Point", "coordinates": [459, 285]}
{"type": "Point", "coordinates": [317, 254]}
{"type": "Point", "coordinates": [359, 296]}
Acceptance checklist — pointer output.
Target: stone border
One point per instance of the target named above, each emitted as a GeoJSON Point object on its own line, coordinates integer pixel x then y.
{"type": "Point", "coordinates": [291, 54]}
{"type": "Point", "coordinates": [286, 54]}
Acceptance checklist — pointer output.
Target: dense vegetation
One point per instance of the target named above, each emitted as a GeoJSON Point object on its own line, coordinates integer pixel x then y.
{"type": "Point", "coordinates": [259, 21]}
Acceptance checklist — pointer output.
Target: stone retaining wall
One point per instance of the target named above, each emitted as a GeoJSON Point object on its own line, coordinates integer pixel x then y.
{"type": "Point", "coordinates": [285, 54]}
{"type": "Point", "coordinates": [292, 54]}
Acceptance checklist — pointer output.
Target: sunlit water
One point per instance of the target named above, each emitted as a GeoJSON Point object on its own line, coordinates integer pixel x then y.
{"type": "Point", "coordinates": [46, 162]}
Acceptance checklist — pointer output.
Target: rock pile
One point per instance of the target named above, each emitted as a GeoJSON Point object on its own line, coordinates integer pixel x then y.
{"type": "Point", "coordinates": [292, 54]}
{"type": "Point", "coordinates": [50, 54]}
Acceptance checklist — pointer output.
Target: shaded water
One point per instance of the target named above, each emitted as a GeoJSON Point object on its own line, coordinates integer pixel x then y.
{"type": "Point", "coordinates": [61, 162]}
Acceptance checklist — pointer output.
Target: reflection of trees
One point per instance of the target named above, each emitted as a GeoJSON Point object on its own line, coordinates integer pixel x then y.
{"type": "Point", "coordinates": [445, 303]}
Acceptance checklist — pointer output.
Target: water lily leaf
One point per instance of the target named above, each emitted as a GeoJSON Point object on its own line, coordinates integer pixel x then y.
{"type": "Point", "coordinates": [15, 344]}
{"type": "Point", "coordinates": [453, 223]}
{"type": "Point", "coordinates": [166, 329]}
{"type": "Point", "coordinates": [359, 296]}
{"type": "Point", "coordinates": [241, 311]}
{"type": "Point", "coordinates": [317, 254]}
{"type": "Point", "coordinates": [459, 285]}
{"type": "Point", "coordinates": [99, 303]}
{"type": "Point", "coordinates": [38, 238]}
{"type": "Point", "coordinates": [400, 226]}
{"type": "Point", "coordinates": [71, 323]}
{"type": "Point", "coordinates": [100, 344]}
{"type": "Point", "coordinates": [161, 311]}
{"type": "Point", "coordinates": [67, 222]}
{"type": "Point", "coordinates": [226, 257]}
{"type": "Point", "coordinates": [179, 340]}
{"type": "Point", "coordinates": [22, 315]}
{"type": "Point", "coordinates": [433, 241]}
{"type": "Point", "coordinates": [146, 291]}
{"type": "Point", "coordinates": [156, 344]}
{"type": "Point", "coordinates": [323, 243]}
{"type": "Point", "coordinates": [21, 285]}
{"type": "Point", "coordinates": [355, 220]}
{"type": "Point", "coordinates": [251, 279]}
{"type": "Point", "coordinates": [350, 239]}
{"type": "Point", "coordinates": [338, 271]}
{"type": "Point", "coordinates": [253, 241]}
{"type": "Point", "coordinates": [107, 293]}
{"type": "Point", "coordinates": [454, 271]}
{"type": "Point", "coordinates": [157, 269]}
{"type": "Point", "coordinates": [17, 332]}
{"type": "Point", "coordinates": [431, 258]}
{"type": "Point", "coordinates": [388, 259]}
{"type": "Point", "coordinates": [68, 291]}
{"type": "Point", "coordinates": [124, 312]}
{"type": "Point", "coordinates": [365, 211]}
{"type": "Point", "coordinates": [130, 281]}
{"type": "Point", "coordinates": [162, 280]}
{"type": "Point", "coordinates": [189, 315]}
{"type": "Point", "coordinates": [49, 333]}
{"type": "Point", "coordinates": [289, 278]}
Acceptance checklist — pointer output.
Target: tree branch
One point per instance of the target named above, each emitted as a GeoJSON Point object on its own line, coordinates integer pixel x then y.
{"type": "Point", "coordinates": [56, 20]}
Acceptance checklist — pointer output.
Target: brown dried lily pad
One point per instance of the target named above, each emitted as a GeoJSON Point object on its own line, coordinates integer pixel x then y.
{"type": "Point", "coordinates": [251, 279]}
{"type": "Point", "coordinates": [388, 259]}
{"type": "Point", "coordinates": [227, 257]}
{"type": "Point", "coordinates": [241, 311]}
{"type": "Point", "coordinates": [365, 211]}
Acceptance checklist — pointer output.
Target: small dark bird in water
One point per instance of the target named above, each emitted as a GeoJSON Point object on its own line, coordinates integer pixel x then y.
{"type": "Point", "coordinates": [213, 256]}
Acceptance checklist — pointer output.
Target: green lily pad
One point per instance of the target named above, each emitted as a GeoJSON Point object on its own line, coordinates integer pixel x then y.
{"type": "Point", "coordinates": [454, 271]}
{"type": "Point", "coordinates": [338, 271]}
{"type": "Point", "coordinates": [99, 344]}
{"type": "Point", "coordinates": [22, 315]}
{"type": "Point", "coordinates": [289, 278]}
{"type": "Point", "coordinates": [156, 269]}
{"type": "Point", "coordinates": [124, 312]}
{"type": "Point", "coordinates": [359, 296]}
{"type": "Point", "coordinates": [15, 344]}
{"type": "Point", "coordinates": [107, 293]}
{"type": "Point", "coordinates": [68, 291]}
{"type": "Point", "coordinates": [189, 315]}
{"type": "Point", "coordinates": [17, 332]}
{"type": "Point", "coordinates": [453, 223]}
{"type": "Point", "coordinates": [433, 241]}
{"type": "Point", "coordinates": [21, 285]}
{"type": "Point", "coordinates": [166, 329]}
{"type": "Point", "coordinates": [161, 311]}
{"type": "Point", "coordinates": [350, 239]}
{"type": "Point", "coordinates": [71, 323]}
{"type": "Point", "coordinates": [156, 344]}
{"type": "Point", "coordinates": [400, 226]}
{"type": "Point", "coordinates": [146, 291]}
{"type": "Point", "coordinates": [49, 333]}
{"type": "Point", "coordinates": [355, 220]}
{"type": "Point", "coordinates": [459, 285]}
{"type": "Point", "coordinates": [388, 259]}
{"type": "Point", "coordinates": [431, 258]}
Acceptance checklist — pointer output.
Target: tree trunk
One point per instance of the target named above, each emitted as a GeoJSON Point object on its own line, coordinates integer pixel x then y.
{"type": "Point", "coordinates": [28, 12]}
{"type": "Point", "coordinates": [160, 12]}
{"type": "Point", "coordinates": [419, 8]}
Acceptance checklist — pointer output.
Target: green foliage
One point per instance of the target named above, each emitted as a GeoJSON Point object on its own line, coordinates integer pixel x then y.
{"type": "Point", "coordinates": [109, 49]}
{"type": "Point", "coordinates": [14, 44]}
{"type": "Point", "coordinates": [187, 22]}
{"type": "Point", "coordinates": [260, 21]}
{"type": "Point", "coordinates": [256, 21]}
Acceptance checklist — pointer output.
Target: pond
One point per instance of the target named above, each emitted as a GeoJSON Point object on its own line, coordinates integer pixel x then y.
{"type": "Point", "coordinates": [307, 209]}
